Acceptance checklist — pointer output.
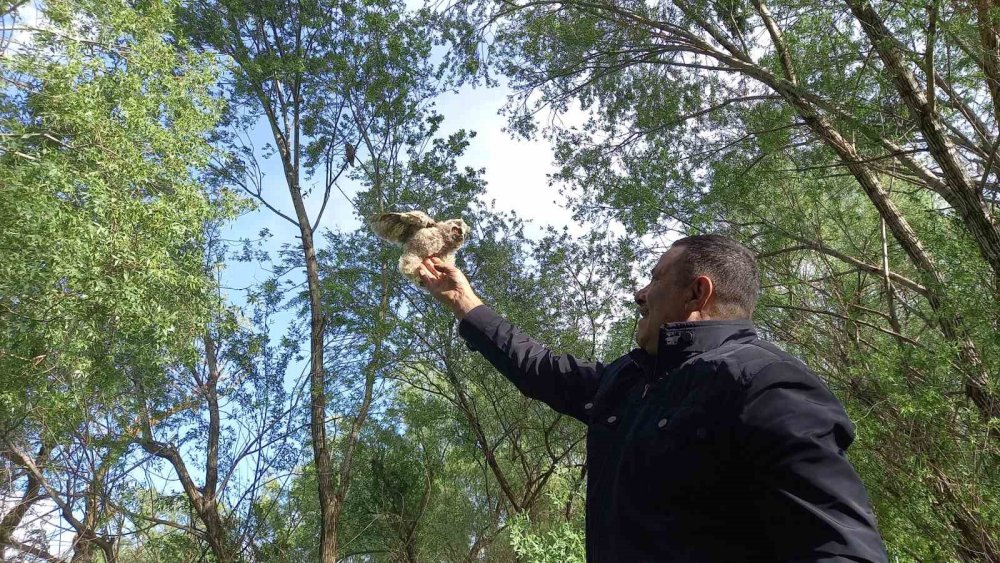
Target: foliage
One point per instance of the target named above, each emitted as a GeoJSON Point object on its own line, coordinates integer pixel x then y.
{"type": "Point", "coordinates": [555, 538]}
{"type": "Point", "coordinates": [105, 289]}
{"type": "Point", "coordinates": [564, 544]}
{"type": "Point", "coordinates": [103, 239]}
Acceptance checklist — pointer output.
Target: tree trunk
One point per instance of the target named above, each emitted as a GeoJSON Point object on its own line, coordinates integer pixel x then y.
{"type": "Point", "coordinates": [328, 501]}
{"type": "Point", "coordinates": [32, 494]}
{"type": "Point", "coordinates": [961, 193]}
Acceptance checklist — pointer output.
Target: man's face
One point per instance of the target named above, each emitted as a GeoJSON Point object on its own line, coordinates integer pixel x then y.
{"type": "Point", "coordinates": [661, 301]}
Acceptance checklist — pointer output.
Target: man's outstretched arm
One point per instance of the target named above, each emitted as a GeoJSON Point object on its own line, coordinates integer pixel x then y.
{"type": "Point", "coordinates": [562, 381]}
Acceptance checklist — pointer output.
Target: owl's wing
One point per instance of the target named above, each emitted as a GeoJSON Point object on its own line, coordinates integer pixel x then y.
{"type": "Point", "coordinates": [399, 227]}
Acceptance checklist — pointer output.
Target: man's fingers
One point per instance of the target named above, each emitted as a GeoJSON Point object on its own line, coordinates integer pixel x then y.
{"type": "Point", "coordinates": [437, 269]}
{"type": "Point", "coordinates": [441, 266]}
{"type": "Point", "coordinates": [435, 266]}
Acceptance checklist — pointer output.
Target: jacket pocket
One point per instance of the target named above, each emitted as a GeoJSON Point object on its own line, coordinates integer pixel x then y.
{"type": "Point", "coordinates": [676, 454]}
{"type": "Point", "coordinates": [688, 427]}
{"type": "Point", "coordinates": [603, 439]}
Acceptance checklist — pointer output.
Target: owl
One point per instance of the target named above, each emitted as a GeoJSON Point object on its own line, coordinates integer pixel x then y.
{"type": "Point", "coordinates": [421, 237]}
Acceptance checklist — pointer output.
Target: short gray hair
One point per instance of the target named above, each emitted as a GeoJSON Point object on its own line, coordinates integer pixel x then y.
{"type": "Point", "coordinates": [732, 268]}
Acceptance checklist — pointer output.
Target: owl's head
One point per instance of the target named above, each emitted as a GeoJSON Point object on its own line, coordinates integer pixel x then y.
{"type": "Point", "coordinates": [456, 230]}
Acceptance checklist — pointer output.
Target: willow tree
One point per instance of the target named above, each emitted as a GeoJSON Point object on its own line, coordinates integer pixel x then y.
{"type": "Point", "coordinates": [706, 115]}
{"type": "Point", "coordinates": [103, 118]}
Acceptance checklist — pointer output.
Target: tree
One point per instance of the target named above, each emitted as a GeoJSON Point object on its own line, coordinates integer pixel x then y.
{"type": "Point", "coordinates": [336, 84]}
{"type": "Point", "coordinates": [103, 117]}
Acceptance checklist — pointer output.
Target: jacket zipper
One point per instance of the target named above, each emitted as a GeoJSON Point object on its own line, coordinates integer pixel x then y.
{"type": "Point", "coordinates": [645, 375]}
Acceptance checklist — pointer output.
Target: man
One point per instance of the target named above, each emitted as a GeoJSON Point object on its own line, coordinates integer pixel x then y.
{"type": "Point", "coordinates": [703, 444]}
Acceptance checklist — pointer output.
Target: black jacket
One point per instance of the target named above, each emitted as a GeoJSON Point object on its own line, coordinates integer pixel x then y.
{"type": "Point", "coordinates": [721, 448]}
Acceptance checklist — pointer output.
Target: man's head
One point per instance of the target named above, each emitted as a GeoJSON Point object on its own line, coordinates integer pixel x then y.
{"type": "Point", "coordinates": [700, 278]}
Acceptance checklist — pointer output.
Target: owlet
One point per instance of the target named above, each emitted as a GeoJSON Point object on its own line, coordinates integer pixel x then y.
{"type": "Point", "coordinates": [421, 237]}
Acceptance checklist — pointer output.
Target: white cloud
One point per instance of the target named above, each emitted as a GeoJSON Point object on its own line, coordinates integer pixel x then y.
{"type": "Point", "coordinates": [516, 169]}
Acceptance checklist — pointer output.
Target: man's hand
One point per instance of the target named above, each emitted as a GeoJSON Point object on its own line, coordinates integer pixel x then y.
{"type": "Point", "coordinates": [448, 285]}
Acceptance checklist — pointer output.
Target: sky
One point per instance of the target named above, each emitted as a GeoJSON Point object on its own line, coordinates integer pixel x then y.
{"type": "Point", "coordinates": [515, 174]}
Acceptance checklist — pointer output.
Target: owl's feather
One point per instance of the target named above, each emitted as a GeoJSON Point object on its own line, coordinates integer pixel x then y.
{"type": "Point", "coordinates": [399, 227]}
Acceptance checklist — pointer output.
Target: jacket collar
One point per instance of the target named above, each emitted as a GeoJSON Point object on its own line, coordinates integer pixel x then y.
{"type": "Point", "coordinates": [680, 342]}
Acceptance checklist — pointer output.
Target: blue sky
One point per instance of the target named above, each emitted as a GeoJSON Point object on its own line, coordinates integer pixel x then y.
{"type": "Point", "coordinates": [515, 174]}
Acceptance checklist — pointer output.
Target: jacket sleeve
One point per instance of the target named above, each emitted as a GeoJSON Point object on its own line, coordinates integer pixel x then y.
{"type": "Point", "coordinates": [811, 503]}
{"type": "Point", "coordinates": [563, 382]}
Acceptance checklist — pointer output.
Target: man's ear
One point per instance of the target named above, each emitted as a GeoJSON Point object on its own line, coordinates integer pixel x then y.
{"type": "Point", "coordinates": [702, 293]}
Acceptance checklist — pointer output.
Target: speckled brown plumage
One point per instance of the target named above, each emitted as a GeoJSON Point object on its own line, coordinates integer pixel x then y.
{"type": "Point", "coordinates": [420, 237]}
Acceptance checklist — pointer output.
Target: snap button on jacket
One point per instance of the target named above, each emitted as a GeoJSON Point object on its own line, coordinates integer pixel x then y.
{"type": "Point", "coordinates": [722, 447]}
